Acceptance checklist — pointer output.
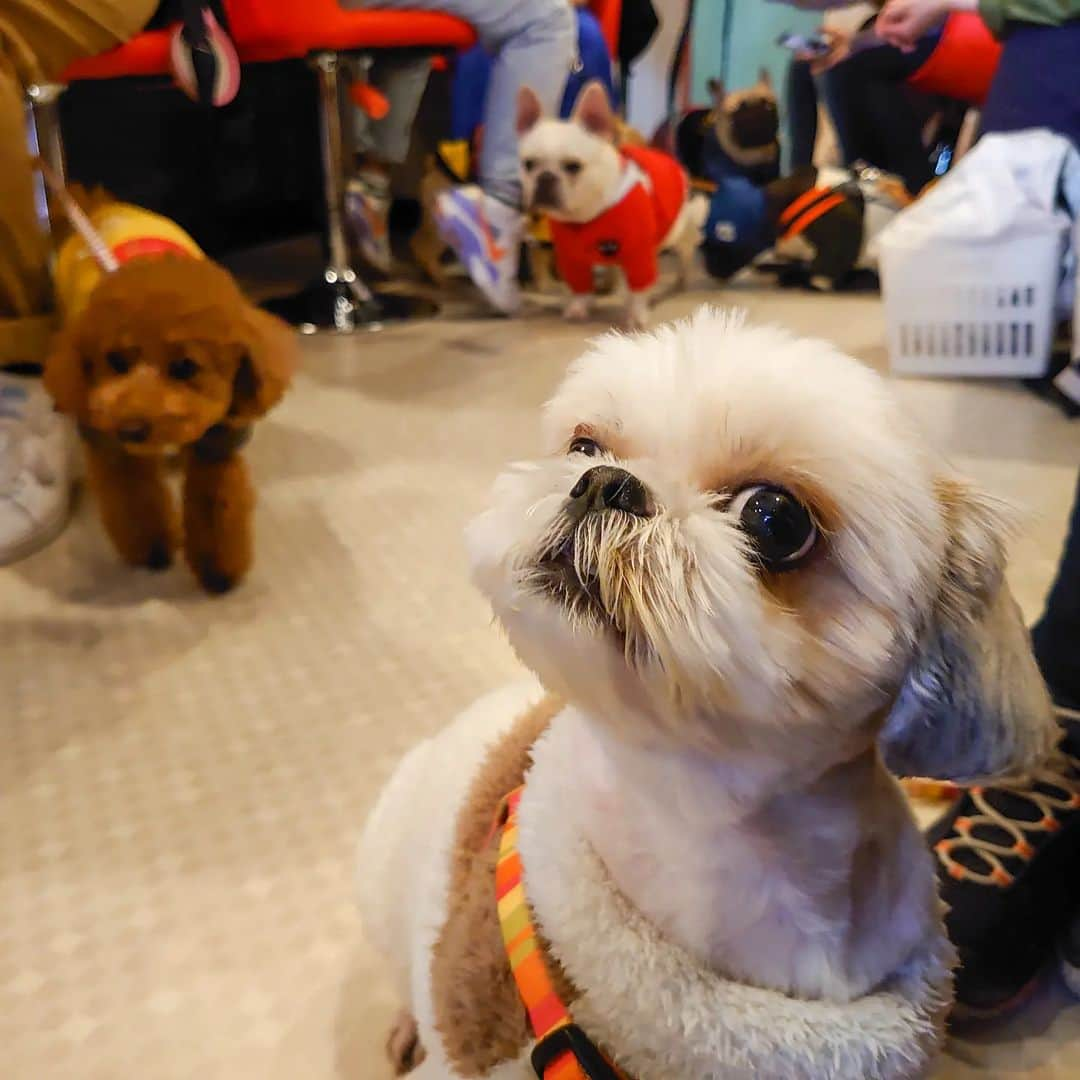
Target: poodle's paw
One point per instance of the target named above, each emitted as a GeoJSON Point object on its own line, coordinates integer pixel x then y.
{"type": "Point", "coordinates": [215, 580]}
{"type": "Point", "coordinates": [160, 556]}
{"type": "Point", "coordinates": [577, 309]}
{"type": "Point", "coordinates": [637, 312]}
{"type": "Point", "coordinates": [146, 552]}
{"type": "Point", "coordinates": [403, 1044]}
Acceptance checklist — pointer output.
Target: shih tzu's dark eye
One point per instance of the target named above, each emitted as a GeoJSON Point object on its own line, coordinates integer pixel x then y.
{"type": "Point", "coordinates": [119, 363]}
{"type": "Point", "coordinates": [183, 369]}
{"type": "Point", "coordinates": [582, 444]}
{"type": "Point", "coordinates": [528, 164]}
{"type": "Point", "coordinates": [572, 167]}
{"type": "Point", "coordinates": [779, 526]}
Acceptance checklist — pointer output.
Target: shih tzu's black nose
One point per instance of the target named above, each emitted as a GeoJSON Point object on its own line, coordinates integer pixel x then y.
{"type": "Point", "coordinates": [608, 488]}
{"type": "Point", "coordinates": [546, 192]}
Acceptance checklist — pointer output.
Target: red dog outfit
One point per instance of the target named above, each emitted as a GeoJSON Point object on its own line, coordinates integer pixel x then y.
{"type": "Point", "coordinates": [629, 232]}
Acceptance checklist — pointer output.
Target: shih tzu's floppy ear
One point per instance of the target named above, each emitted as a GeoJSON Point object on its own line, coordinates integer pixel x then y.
{"type": "Point", "coordinates": [65, 373]}
{"type": "Point", "coordinates": [266, 367]}
{"type": "Point", "coordinates": [973, 703]}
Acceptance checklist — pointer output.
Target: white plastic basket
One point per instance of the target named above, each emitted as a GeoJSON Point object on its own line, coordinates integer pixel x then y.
{"type": "Point", "coordinates": [980, 309]}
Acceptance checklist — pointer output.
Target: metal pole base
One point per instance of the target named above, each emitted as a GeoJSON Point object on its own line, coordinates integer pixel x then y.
{"type": "Point", "coordinates": [345, 307]}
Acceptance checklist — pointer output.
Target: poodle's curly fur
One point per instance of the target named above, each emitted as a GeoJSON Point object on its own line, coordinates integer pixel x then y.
{"type": "Point", "coordinates": [169, 356]}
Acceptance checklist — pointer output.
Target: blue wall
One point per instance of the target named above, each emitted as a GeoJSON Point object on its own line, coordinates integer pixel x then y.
{"type": "Point", "coordinates": [752, 29]}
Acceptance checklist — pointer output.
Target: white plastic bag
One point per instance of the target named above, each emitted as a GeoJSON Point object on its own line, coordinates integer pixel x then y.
{"type": "Point", "coordinates": [1016, 184]}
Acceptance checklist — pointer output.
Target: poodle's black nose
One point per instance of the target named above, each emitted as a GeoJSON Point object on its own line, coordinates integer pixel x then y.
{"type": "Point", "coordinates": [608, 488]}
{"type": "Point", "coordinates": [133, 431]}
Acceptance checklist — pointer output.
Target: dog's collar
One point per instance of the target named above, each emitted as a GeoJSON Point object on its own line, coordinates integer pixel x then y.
{"type": "Point", "coordinates": [563, 1051]}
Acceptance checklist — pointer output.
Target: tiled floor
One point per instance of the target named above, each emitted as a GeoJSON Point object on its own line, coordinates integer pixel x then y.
{"type": "Point", "coordinates": [182, 779]}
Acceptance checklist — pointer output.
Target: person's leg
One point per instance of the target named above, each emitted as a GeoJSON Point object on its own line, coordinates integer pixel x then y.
{"type": "Point", "coordinates": [468, 93]}
{"type": "Point", "coordinates": [38, 39]}
{"type": "Point", "coordinates": [533, 43]}
{"type": "Point", "coordinates": [593, 62]}
{"type": "Point", "coordinates": [800, 95]}
{"type": "Point", "coordinates": [380, 145]}
{"type": "Point", "coordinates": [1006, 926]}
{"type": "Point", "coordinates": [1056, 635]}
{"type": "Point", "coordinates": [1006, 931]}
{"type": "Point", "coordinates": [881, 124]}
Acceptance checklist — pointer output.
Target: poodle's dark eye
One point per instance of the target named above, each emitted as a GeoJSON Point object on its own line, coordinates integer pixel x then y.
{"type": "Point", "coordinates": [572, 167]}
{"type": "Point", "coordinates": [183, 369]}
{"type": "Point", "coordinates": [529, 164]}
{"type": "Point", "coordinates": [582, 444]}
{"type": "Point", "coordinates": [118, 362]}
{"type": "Point", "coordinates": [779, 526]}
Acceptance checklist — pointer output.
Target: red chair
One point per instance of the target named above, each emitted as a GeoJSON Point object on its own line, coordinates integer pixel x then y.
{"type": "Point", "coordinates": [609, 14]}
{"type": "Point", "coordinates": [963, 65]}
{"type": "Point", "coordinates": [321, 30]}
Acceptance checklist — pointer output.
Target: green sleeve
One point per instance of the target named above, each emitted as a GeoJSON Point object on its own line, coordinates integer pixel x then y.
{"type": "Point", "coordinates": [996, 13]}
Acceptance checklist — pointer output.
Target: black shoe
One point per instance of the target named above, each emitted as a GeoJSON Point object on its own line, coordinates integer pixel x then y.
{"type": "Point", "coordinates": [1009, 871]}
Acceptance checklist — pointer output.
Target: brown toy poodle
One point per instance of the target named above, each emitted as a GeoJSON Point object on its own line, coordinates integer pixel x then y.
{"type": "Point", "coordinates": [168, 358]}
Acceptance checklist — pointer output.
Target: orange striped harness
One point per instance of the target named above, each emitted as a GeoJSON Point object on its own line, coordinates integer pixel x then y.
{"type": "Point", "coordinates": [806, 209]}
{"type": "Point", "coordinates": [563, 1051]}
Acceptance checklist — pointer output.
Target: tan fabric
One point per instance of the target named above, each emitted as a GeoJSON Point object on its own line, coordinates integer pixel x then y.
{"type": "Point", "coordinates": [38, 39]}
{"type": "Point", "coordinates": [477, 1008]}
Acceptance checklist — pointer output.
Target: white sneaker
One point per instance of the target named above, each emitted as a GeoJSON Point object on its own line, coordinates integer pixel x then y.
{"type": "Point", "coordinates": [486, 237]}
{"type": "Point", "coordinates": [367, 210]}
{"type": "Point", "coordinates": [35, 468]}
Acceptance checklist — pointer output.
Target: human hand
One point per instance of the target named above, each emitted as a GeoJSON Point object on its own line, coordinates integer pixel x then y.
{"type": "Point", "coordinates": [902, 22]}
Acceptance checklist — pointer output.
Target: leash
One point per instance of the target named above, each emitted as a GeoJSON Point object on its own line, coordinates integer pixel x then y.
{"type": "Point", "coordinates": [563, 1051]}
{"type": "Point", "coordinates": [95, 243]}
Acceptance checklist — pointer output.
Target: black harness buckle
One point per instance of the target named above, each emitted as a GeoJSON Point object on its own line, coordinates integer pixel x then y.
{"type": "Point", "coordinates": [571, 1038]}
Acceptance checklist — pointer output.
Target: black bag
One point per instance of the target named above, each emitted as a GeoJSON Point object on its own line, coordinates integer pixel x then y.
{"type": "Point", "coordinates": [637, 27]}
{"type": "Point", "coordinates": [174, 11]}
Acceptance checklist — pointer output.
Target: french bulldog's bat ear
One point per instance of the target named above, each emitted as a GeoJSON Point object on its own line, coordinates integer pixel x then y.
{"type": "Point", "coordinates": [764, 78]}
{"type": "Point", "coordinates": [529, 110]}
{"type": "Point", "coordinates": [717, 91]}
{"type": "Point", "coordinates": [973, 703]}
{"type": "Point", "coordinates": [593, 111]}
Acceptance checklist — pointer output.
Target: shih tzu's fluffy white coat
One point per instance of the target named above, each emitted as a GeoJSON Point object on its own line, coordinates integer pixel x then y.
{"type": "Point", "coordinates": [713, 849]}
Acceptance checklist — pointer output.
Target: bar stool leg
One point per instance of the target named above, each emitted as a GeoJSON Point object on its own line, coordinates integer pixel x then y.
{"type": "Point", "coordinates": [340, 301]}
{"type": "Point", "coordinates": [44, 140]}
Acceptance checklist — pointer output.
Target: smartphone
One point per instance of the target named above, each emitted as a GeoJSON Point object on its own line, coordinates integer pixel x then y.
{"type": "Point", "coordinates": [803, 43]}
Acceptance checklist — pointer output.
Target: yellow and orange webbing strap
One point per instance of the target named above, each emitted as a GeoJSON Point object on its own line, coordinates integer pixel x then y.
{"type": "Point", "coordinates": [562, 1051]}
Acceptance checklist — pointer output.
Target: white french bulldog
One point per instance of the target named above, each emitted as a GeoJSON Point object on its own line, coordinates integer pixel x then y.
{"type": "Point", "coordinates": [608, 205]}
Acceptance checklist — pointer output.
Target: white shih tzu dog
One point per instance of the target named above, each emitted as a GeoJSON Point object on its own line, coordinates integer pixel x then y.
{"type": "Point", "coordinates": [746, 589]}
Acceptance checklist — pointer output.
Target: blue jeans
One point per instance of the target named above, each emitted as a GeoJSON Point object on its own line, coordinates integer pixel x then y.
{"type": "Point", "coordinates": [532, 43]}
{"type": "Point", "coordinates": [1036, 81]}
{"type": "Point", "coordinates": [472, 76]}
